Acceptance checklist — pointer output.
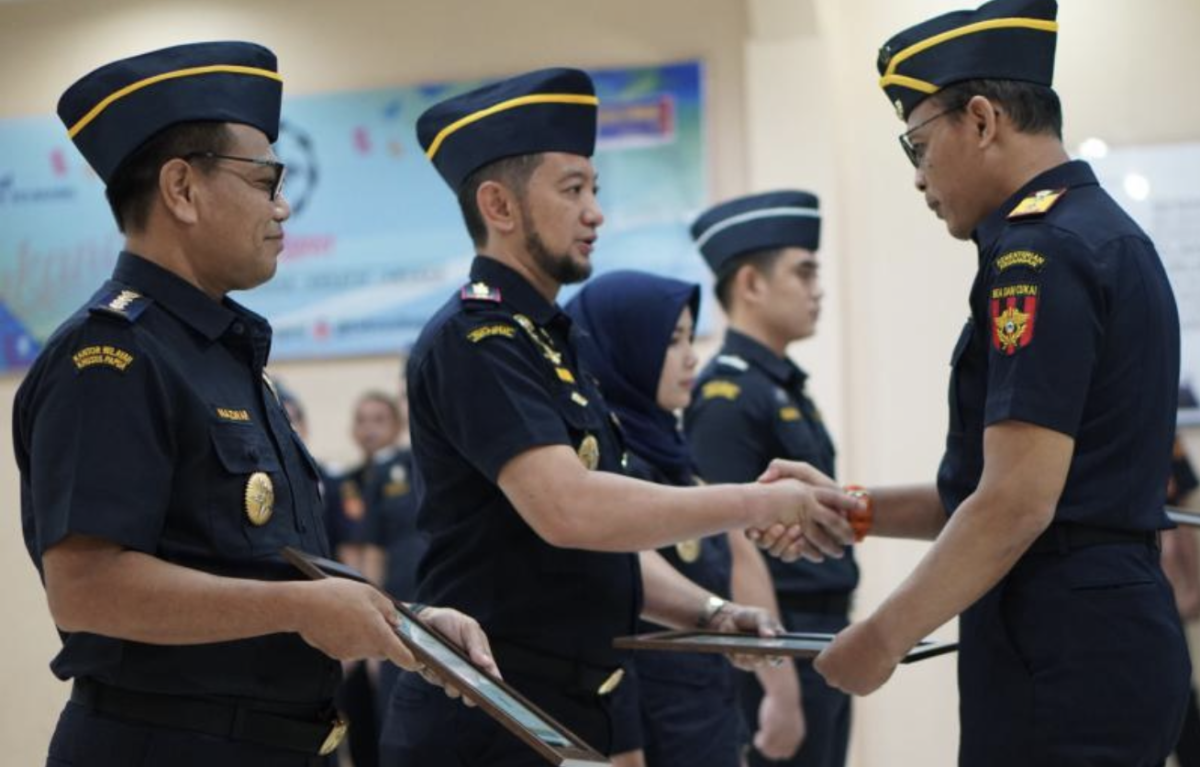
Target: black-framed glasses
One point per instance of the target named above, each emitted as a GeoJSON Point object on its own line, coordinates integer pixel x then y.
{"type": "Point", "coordinates": [916, 153]}
{"type": "Point", "coordinates": [277, 167]}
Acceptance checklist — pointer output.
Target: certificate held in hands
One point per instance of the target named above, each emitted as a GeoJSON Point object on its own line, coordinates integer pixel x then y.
{"type": "Point", "coordinates": [554, 742]}
{"type": "Point", "coordinates": [794, 645]}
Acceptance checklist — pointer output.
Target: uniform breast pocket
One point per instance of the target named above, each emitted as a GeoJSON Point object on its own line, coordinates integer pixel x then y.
{"type": "Point", "coordinates": [245, 503]}
{"type": "Point", "coordinates": [584, 424]}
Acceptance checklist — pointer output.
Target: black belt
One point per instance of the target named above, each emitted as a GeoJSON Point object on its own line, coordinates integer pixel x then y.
{"type": "Point", "coordinates": [567, 675]}
{"type": "Point", "coordinates": [1064, 537]}
{"type": "Point", "coordinates": [821, 602]}
{"type": "Point", "coordinates": [312, 729]}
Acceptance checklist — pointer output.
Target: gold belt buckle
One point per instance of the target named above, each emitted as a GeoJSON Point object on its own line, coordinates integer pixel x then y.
{"type": "Point", "coordinates": [612, 683]}
{"type": "Point", "coordinates": [337, 733]}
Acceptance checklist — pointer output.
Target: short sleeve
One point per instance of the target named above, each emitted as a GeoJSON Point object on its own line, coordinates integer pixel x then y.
{"type": "Point", "coordinates": [490, 393]}
{"type": "Point", "coordinates": [100, 446]}
{"type": "Point", "coordinates": [725, 433]}
{"type": "Point", "coordinates": [1045, 327]}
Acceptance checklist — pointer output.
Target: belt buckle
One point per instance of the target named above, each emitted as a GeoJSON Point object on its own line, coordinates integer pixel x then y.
{"type": "Point", "coordinates": [337, 733]}
{"type": "Point", "coordinates": [612, 683]}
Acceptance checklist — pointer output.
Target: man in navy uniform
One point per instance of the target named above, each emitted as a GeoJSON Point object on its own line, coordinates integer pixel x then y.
{"type": "Point", "coordinates": [159, 473]}
{"type": "Point", "coordinates": [750, 406]}
{"type": "Point", "coordinates": [517, 459]}
{"type": "Point", "coordinates": [1062, 410]}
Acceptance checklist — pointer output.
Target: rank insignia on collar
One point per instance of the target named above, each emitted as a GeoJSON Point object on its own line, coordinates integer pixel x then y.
{"type": "Point", "coordinates": [1013, 311]}
{"type": "Point", "coordinates": [1037, 204]}
{"type": "Point", "coordinates": [480, 291]}
{"type": "Point", "coordinates": [126, 304]}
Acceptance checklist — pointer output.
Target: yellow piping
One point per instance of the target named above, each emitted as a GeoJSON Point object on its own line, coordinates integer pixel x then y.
{"type": "Point", "coordinates": [128, 89]}
{"type": "Point", "coordinates": [520, 101]}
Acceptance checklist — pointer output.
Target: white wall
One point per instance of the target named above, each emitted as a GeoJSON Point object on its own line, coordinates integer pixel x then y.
{"type": "Point", "coordinates": [793, 102]}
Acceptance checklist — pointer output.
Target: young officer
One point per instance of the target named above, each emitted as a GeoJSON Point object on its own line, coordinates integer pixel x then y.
{"type": "Point", "coordinates": [750, 406]}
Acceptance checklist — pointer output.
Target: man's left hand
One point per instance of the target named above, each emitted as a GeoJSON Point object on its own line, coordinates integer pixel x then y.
{"type": "Point", "coordinates": [733, 618]}
{"type": "Point", "coordinates": [465, 632]}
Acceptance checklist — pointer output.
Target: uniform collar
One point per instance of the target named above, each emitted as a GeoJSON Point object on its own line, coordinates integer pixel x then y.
{"type": "Point", "coordinates": [781, 369]}
{"type": "Point", "coordinates": [514, 290]}
{"type": "Point", "coordinates": [1065, 176]}
{"type": "Point", "coordinates": [187, 302]}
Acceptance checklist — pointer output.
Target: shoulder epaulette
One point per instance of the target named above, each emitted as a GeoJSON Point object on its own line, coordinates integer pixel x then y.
{"type": "Point", "coordinates": [733, 362]}
{"type": "Point", "coordinates": [1037, 204]}
{"type": "Point", "coordinates": [123, 303]}
{"type": "Point", "coordinates": [479, 291]}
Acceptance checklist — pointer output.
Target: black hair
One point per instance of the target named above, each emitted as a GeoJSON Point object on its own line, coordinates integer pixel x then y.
{"type": "Point", "coordinates": [132, 187]}
{"type": "Point", "coordinates": [1032, 108]}
{"type": "Point", "coordinates": [513, 172]}
{"type": "Point", "coordinates": [761, 260]}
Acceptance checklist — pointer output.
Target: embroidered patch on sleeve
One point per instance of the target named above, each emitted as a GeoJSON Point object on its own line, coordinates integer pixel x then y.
{"type": "Point", "coordinates": [106, 356]}
{"type": "Point", "coordinates": [1016, 258]}
{"type": "Point", "coordinates": [1013, 311]}
{"type": "Point", "coordinates": [720, 389]}
{"type": "Point", "coordinates": [491, 331]}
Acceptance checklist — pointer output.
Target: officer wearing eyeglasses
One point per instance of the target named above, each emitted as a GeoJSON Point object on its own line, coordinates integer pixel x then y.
{"type": "Point", "coordinates": [160, 475]}
{"type": "Point", "coordinates": [1062, 409]}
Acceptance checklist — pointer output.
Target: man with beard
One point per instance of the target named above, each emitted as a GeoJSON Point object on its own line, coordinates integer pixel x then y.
{"type": "Point", "coordinates": [517, 459]}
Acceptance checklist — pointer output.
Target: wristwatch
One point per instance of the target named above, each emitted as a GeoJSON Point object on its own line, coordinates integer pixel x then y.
{"type": "Point", "coordinates": [712, 606]}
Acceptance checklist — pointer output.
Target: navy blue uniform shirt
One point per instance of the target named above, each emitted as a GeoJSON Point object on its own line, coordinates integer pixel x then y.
{"type": "Point", "coordinates": [748, 408]}
{"type": "Point", "coordinates": [142, 423]}
{"type": "Point", "coordinates": [494, 374]}
{"type": "Point", "coordinates": [1073, 328]}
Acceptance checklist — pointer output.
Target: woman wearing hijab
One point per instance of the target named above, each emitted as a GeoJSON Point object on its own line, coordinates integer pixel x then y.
{"type": "Point", "coordinates": [638, 330]}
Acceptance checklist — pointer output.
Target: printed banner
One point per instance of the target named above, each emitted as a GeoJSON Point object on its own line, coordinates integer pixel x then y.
{"type": "Point", "coordinates": [376, 241]}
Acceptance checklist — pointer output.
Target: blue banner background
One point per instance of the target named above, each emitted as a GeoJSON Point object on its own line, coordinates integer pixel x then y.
{"type": "Point", "coordinates": [376, 242]}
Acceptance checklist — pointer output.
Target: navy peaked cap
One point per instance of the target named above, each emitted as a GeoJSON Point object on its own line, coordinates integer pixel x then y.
{"type": "Point", "coordinates": [757, 222]}
{"type": "Point", "coordinates": [112, 111]}
{"type": "Point", "coordinates": [550, 110]}
{"type": "Point", "coordinates": [1000, 40]}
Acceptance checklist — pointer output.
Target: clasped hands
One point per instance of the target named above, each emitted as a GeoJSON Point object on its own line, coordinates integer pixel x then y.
{"type": "Point", "coordinates": [806, 515]}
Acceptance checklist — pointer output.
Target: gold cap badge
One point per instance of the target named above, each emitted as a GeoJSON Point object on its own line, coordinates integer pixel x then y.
{"type": "Point", "coordinates": [260, 498]}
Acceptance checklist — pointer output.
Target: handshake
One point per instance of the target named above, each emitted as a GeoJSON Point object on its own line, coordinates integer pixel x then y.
{"type": "Point", "coordinates": [805, 514]}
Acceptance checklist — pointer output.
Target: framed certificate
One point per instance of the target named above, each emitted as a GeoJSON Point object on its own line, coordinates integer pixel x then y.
{"type": "Point", "coordinates": [794, 645]}
{"type": "Point", "coordinates": [1183, 516]}
{"type": "Point", "coordinates": [554, 742]}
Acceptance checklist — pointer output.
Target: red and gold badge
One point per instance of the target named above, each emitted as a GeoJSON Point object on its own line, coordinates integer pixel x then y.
{"type": "Point", "coordinates": [1013, 309]}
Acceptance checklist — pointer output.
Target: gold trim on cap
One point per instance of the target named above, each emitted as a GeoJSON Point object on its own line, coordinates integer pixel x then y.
{"type": "Point", "coordinates": [891, 78]}
{"type": "Point", "coordinates": [908, 82]}
{"type": "Point", "coordinates": [189, 72]}
{"type": "Point", "coordinates": [503, 106]}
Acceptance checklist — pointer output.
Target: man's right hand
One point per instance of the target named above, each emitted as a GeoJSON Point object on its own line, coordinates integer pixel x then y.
{"type": "Point", "coordinates": [348, 620]}
{"type": "Point", "coordinates": [800, 519]}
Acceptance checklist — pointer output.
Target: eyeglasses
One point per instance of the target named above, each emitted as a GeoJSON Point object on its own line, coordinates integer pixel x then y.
{"type": "Point", "coordinates": [279, 169]}
{"type": "Point", "coordinates": [916, 153]}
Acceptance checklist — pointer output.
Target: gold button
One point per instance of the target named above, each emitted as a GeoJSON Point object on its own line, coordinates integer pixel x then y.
{"type": "Point", "coordinates": [612, 683]}
{"type": "Point", "coordinates": [337, 733]}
